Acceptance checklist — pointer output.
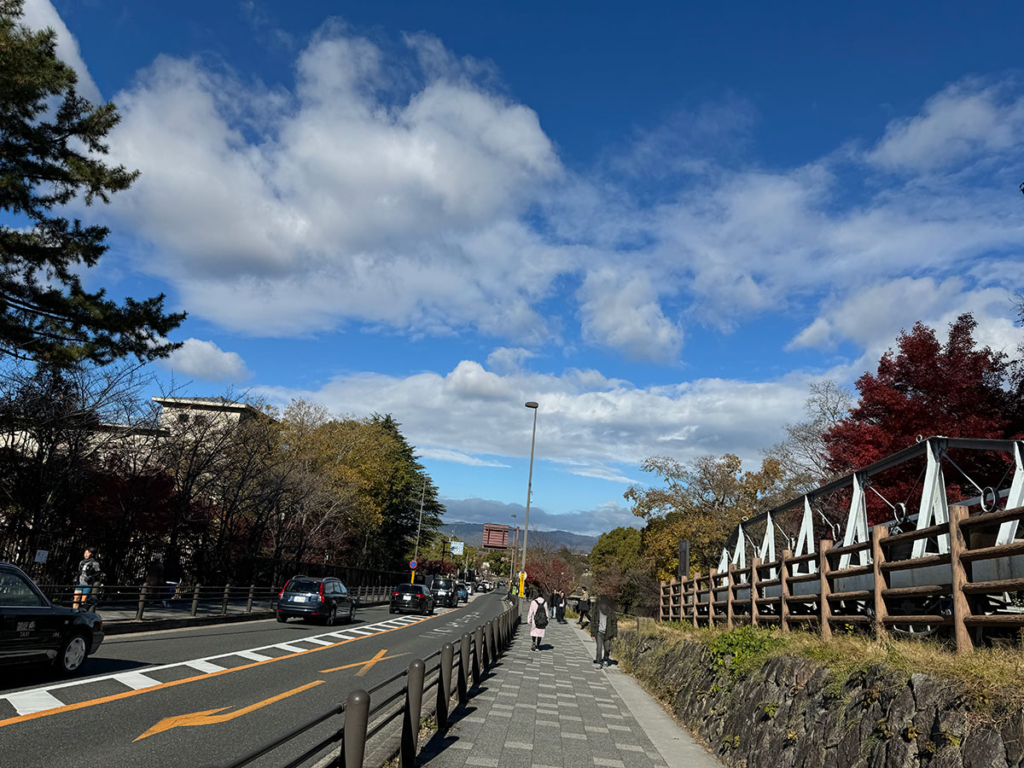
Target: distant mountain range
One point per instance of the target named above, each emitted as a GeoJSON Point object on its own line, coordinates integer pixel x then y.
{"type": "Point", "coordinates": [473, 535]}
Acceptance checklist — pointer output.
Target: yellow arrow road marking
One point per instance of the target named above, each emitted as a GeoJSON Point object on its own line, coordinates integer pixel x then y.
{"type": "Point", "coordinates": [207, 716]}
{"type": "Point", "coordinates": [366, 665]}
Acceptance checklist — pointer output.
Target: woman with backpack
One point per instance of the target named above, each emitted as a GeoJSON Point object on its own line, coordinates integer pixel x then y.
{"type": "Point", "coordinates": [537, 618]}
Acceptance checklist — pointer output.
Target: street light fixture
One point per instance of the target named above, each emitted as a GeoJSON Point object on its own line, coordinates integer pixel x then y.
{"type": "Point", "coordinates": [529, 486]}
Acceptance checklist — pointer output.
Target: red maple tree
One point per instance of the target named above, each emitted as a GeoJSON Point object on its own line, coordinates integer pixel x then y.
{"type": "Point", "coordinates": [927, 388]}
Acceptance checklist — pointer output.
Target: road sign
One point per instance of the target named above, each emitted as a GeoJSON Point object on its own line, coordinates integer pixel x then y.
{"type": "Point", "coordinates": [412, 564]}
{"type": "Point", "coordinates": [456, 547]}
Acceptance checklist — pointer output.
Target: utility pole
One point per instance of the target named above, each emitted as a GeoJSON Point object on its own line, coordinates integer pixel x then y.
{"type": "Point", "coordinates": [529, 487]}
{"type": "Point", "coordinates": [419, 527]}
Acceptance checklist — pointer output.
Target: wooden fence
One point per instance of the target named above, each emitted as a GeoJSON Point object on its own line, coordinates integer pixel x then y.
{"type": "Point", "coordinates": [718, 599]}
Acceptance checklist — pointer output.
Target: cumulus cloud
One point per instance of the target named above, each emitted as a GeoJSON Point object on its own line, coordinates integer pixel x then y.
{"type": "Point", "coordinates": [457, 457]}
{"type": "Point", "coordinates": [40, 14]}
{"type": "Point", "coordinates": [205, 360]}
{"type": "Point", "coordinates": [587, 424]}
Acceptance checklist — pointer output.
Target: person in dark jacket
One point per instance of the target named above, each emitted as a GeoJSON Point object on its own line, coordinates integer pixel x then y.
{"type": "Point", "coordinates": [583, 607]}
{"type": "Point", "coordinates": [88, 574]}
{"type": "Point", "coordinates": [604, 626]}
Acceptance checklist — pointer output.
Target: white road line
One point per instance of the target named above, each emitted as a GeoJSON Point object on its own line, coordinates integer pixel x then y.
{"type": "Point", "coordinates": [203, 666]}
{"type": "Point", "coordinates": [136, 680]}
{"type": "Point", "coordinates": [28, 702]}
{"type": "Point", "coordinates": [362, 632]}
{"type": "Point", "coordinates": [252, 655]}
{"type": "Point", "coordinates": [317, 641]}
{"type": "Point", "coordinates": [289, 648]}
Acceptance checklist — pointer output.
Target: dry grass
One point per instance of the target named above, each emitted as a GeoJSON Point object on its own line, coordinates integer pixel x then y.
{"type": "Point", "coordinates": [988, 676]}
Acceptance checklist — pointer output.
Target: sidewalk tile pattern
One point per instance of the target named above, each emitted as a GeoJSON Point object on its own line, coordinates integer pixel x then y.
{"type": "Point", "coordinates": [564, 714]}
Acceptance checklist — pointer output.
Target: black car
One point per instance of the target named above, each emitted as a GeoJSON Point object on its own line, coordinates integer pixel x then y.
{"type": "Point", "coordinates": [444, 592]}
{"type": "Point", "coordinates": [34, 629]}
{"type": "Point", "coordinates": [315, 597]}
{"type": "Point", "coordinates": [412, 597]}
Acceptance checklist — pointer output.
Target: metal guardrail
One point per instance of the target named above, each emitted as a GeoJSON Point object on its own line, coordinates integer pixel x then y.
{"type": "Point", "coordinates": [364, 718]}
{"type": "Point", "coordinates": [214, 599]}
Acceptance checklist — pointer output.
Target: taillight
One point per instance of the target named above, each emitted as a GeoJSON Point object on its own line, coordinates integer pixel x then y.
{"type": "Point", "coordinates": [281, 593]}
{"type": "Point", "coordinates": [396, 594]}
{"type": "Point", "coordinates": [321, 592]}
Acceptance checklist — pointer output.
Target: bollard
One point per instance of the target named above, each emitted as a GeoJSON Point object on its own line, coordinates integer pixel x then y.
{"type": "Point", "coordinates": [195, 600]}
{"type": "Point", "coordinates": [224, 602]}
{"type": "Point", "coordinates": [357, 714]}
{"type": "Point", "coordinates": [142, 602]}
{"type": "Point", "coordinates": [444, 686]}
{"type": "Point", "coordinates": [464, 668]}
{"type": "Point", "coordinates": [413, 709]}
{"type": "Point", "coordinates": [248, 605]}
{"type": "Point", "coordinates": [478, 641]}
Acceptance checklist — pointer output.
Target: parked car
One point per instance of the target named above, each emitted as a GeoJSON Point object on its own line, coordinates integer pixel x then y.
{"type": "Point", "coordinates": [483, 586]}
{"type": "Point", "coordinates": [443, 590]}
{"type": "Point", "coordinates": [315, 597]}
{"type": "Point", "coordinates": [34, 629]}
{"type": "Point", "coordinates": [463, 591]}
{"type": "Point", "coordinates": [412, 598]}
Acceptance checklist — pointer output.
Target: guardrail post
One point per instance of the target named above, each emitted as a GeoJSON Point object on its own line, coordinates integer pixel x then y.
{"type": "Point", "coordinates": [881, 579]}
{"type": "Point", "coordinates": [224, 602]}
{"type": "Point", "coordinates": [413, 709]}
{"type": "Point", "coordinates": [492, 657]}
{"type": "Point", "coordinates": [248, 605]}
{"type": "Point", "coordinates": [195, 599]}
{"type": "Point", "coordinates": [784, 589]}
{"type": "Point", "coordinates": [825, 589]}
{"type": "Point", "coordinates": [478, 642]}
{"type": "Point", "coordinates": [464, 668]}
{"type": "Point", "coordinates": [142, 602]}
{"type": "Point", "coordinates": [357, 715]}
{"type": "Point", "coordinates": [961, 607]}
{"type": "Point", "coordinates": [712, 597]}
{"type": "Point", "coordinates": [444, 686]}
{"type": "Point", "coordinates": [755, 578]}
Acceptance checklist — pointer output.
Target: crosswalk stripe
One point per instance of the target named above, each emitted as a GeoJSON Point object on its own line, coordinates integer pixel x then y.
{"type": "Point", "coordinates": [317, 641]}
{"type": "Point", "coordinates": [33, 701]}
{"type": "Point", "coordinates": [251, 655]}
{"type": "Point", "coordinates": [203, 666]}
{"type": "Point", "coordinates": [290, 648]}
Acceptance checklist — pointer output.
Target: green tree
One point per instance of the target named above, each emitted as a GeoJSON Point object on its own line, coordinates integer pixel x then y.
{"type": "Point", "coordinates": [51, 148]}
{"type": "Point", "coordinates": [621, 546]}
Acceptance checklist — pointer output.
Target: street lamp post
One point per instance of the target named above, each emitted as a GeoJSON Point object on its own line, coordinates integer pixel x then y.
{"type": "Point", "coordinates": [529, 487]}
{"type": "Point", "coordinates": [512, 565]}
{"type": "Point", "coordinates": [419, 526]}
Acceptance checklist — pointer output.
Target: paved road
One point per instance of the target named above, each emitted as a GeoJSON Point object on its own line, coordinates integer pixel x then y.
{"type": "Point", "coordinates": [248, 682]}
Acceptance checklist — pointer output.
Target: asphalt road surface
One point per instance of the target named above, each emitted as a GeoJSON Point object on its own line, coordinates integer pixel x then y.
{"type": "Point", "coordinates": [203, 696]}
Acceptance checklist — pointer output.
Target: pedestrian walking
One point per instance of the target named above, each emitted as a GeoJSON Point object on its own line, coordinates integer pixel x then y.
{"type": "Point", "coordinates": [583, 606]}
{"type": "Point", "coordinates": [88, 574]}
{"type": "Point", "coordinates": [604, 626]}
{"type": "Point", "coordinates": [561, 607]}
{"type": "Point", "coordinates": [537, 618]}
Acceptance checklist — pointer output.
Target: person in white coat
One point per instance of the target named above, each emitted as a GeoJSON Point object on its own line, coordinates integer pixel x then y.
{"type": "Point", "coordinates": [537, 618]}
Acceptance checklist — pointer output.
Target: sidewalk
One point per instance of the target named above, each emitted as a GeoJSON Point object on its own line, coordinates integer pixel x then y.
{"type": "Point", "coordinates": [555, 709]}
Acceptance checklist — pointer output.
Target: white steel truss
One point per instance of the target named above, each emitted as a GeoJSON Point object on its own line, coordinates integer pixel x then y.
{"type": "Point", "coordinates": [767, 550]}
{"type": "Point", "coordinates": [934, 508]}
{"type": "Point", "coordinates": [805, 539]}
{"type": "Point", "coordinates": [1008, 531]}
{"type": "Point", "coordinates": [856, 524]}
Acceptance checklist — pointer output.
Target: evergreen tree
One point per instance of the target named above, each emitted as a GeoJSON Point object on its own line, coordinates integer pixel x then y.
{"type": "Point", "coordinates": [51, 145]}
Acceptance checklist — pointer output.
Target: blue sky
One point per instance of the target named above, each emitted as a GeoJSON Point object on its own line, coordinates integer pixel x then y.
{"type": "Point", "coordinates": [660, 224]}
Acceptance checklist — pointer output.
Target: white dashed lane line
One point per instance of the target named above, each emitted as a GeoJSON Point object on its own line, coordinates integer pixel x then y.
{"type": "Point", "coordinates": [48, 697]}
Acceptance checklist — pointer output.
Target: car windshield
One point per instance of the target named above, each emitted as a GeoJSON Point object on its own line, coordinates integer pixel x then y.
{"type": "Point", "coordinates": [302, 585]}
{"type": "Point", "coordinates": [443, 584]}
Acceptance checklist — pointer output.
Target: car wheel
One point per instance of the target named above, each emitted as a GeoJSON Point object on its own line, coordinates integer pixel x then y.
{"type": "Point", "coordinates": [391, 610]}
{"type": "Point", "coordinates": [282, 619]}
{"type": "Point", "coordinates": [431, 610]}
{"type": "Point", "coordinates": [331, 616]}
{"type": "Point", "coordinates": [72, 654]}
{"type": "Point", "coordinates": [351, 614]}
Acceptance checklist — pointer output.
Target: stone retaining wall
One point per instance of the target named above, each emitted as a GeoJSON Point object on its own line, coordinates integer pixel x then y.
{"type": "Point", "coordinates": [793, 713]}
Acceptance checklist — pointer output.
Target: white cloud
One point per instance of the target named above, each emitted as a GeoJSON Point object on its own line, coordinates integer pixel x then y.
{"type": "Point", "coordinates": [40, 14]}
{"type": "Point", "coordinates": [965, 119]}
{"type": "Point", "coordinates": [205, 360]}
{"type": "Point", "coordinates": [508, 359]}
{"type": "Point", "coordinates": [587, 424]}
{"type": "Point", "coordinates": [589, 522]}
{"type": "Point", "coordinates": [457, 457]}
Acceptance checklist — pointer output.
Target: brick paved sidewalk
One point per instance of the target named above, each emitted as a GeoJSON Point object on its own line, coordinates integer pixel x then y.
{"type": "Point", "coordinates": [554, 708]}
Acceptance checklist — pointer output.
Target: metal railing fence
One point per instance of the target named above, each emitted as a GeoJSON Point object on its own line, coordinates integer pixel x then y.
{"type": "Point", "coordinates": [450, 673]}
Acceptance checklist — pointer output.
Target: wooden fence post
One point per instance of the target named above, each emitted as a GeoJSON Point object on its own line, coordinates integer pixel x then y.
{"type": "Point", "coordinates": [878, 533]}
{"type": "Point", "coordinates": [676, 601]}
{"type": "Point", "coordinates": [784, 589]}
{"type": "Point", "coordinates": [961, 607]}
{"type": "Point", "coordinates": [824, 573]}
{"type": "Point", "coordinates": [755, 578]}
{"type": "Point", "coordinates": [711, 597]}
{"type": "Point", "coordinates": [663, 608]}
{"type": "Point", "coordinates": [696, 599]}
{"type": "Point", "coordinates": [729, 584]}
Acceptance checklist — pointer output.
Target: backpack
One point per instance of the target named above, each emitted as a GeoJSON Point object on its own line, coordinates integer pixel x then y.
{"type": "Point", "coordinates": [540, 618]}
